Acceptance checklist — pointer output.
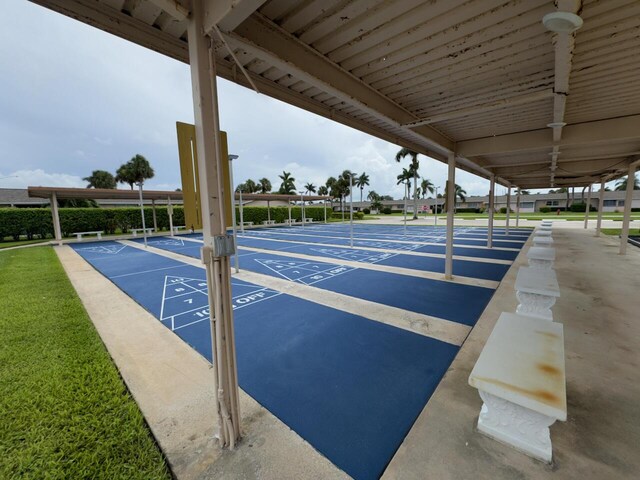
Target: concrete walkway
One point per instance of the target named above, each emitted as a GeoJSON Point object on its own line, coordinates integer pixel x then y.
{"type": "Point", "coordinates": [600, 310]}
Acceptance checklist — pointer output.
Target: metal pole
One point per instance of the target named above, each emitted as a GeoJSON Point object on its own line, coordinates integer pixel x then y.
{"type": "Point", "coordinates": [57, 231]}
{"type": "Point", "coordinates": [587, 208]}
{"type": "Point", "coordinates": [241, 213]}
{"type": "Point", "coordinates": [435, 209]}
{"type": "Point", "coordinates": [508, 210]}
{"type": "Point", "coordinates": [351, 209]}
{"type": "Point", "coordinates": [406, 194]}
{"type": "Point", "coordinates": [302, 203]}
{"type": "Point", "coordinates": [144, 227]}
{"type": "Point", "coordinates": [342, 207]}
{"type": "Point", "coordinates": [627, 210]}
{"type": "Point", "coordinates": [600, 208]}
{"type": "Point", "coordinates": [518, 208]}
{"type": "Point", "coordinates": [268, 212]}
{"type": "Point", "coordinates": [492, 186]}
{"type": "Point", "coordinates": [170, 214]}
{"type": "Point", "coordinates": [451, 198]}
{"type": "Point", "coordinates": [289, 212]}
{"type": "Point", "coordinates": [234, 229]}
{"type": "Point", "coordinates": [325, 211]}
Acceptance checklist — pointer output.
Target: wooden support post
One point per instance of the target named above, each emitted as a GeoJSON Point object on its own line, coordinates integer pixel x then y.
{"type": "Point", "coordinates": [628, 200]}
{"type": "Point", "coordinates": [508, 211]}
{"type": "Point", "coordinates": [492, 186]}
{"type": "Point", "coordinates": [518, 208]}
{"type": "Point", "coordinates": [57, 231]}
{"type": "Point", "coordinates": [451, 204]}
{"type": "Point", "coordinates": [587, 208]}
{"type": "Point", "coordinates": [205, 101]}
{"type": "Point", "coordinates": [600, 208]}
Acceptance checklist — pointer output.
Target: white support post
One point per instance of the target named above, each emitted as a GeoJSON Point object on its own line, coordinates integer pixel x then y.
{"type": "Point", "coordinates": [170, 214]}
{"type": "Point", "coordinates": [302, 203]}
{"type": "Point", "coordinates": [268, 212]}
{"type": "Point", "coordinates": [144, 226]}
{"type": "Point", "coordinates": [241, 207]}
{"type": "Point", "coordinates": [508, 210]}
{"type": "Point", "coordinates": [342, 208]}
{"type": "Point", "coordinates": [325, 211]}
{"type": "Point", "coordinates": [406, 194]}
{"type": "Point", "coordinates": [205, 101]}
{"type": "Point", "coordinates": [600, 208]}
{"type": "Point", "coordinates": [351, 210]}
{"type": "Point", "coordinates": [155, 219]}
{"type": "Point", "coordinates": [587, 208]}
{"type": "Point", "coordinates": [492, 186]}
{"type": "Point", "coordinates": [290, 213]}
{"type": "Point", "coordinates": [57, 231]}
{"type": "Point", "coordinates": [451, 199]}
{"type": "Point", "coordinates": [628, 200]}
{"type": "Point", "coordinates": [518, 207]}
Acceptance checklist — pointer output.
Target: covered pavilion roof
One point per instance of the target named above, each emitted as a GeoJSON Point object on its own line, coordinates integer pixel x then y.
{"type": "Point", "coordinates": [102, 193]}
{"type": "Point", "coordinates": [483, 79]}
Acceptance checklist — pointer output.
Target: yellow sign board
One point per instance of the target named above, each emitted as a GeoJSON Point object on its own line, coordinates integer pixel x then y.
{"type": "Point", "coordinates": [188, 155]}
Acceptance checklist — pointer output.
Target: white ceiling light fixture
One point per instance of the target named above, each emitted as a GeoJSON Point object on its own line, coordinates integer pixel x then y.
{"type": "Point", "coordinates": [562, 22]}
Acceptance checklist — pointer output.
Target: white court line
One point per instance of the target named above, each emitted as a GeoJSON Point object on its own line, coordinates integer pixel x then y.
{"type": "Point", "coordinates": [146, 271]}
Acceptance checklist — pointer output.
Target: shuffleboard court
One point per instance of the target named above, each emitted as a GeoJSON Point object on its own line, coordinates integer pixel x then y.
{"type": "Point", "coordinates": [349, 386]}
{"type": "Point", "coordinates": [451, 301]}
{"type": "Point", "coordinates": [388, 245]}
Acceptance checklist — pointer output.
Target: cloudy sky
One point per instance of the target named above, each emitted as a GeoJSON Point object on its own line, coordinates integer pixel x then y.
{"type": "Point", "coordinates": [75, 99]}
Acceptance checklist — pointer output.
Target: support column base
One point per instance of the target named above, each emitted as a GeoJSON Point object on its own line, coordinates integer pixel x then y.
{"type": "Point", "coordinates": [540, 264]}
{"type": "Point", "coordinates": [535, 305]}
{"type": "Point", "coordinates": [516, 426]}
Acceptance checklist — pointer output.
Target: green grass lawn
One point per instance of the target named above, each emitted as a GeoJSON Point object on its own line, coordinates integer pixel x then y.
{"type": "Point", "coordinates": [618, 231]}
{"type": "Point", "coordinates": [65, 411]}
{"type": "Point", "coordinates": [22, 242]}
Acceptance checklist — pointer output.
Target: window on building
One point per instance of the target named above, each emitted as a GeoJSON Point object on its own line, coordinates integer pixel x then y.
{"type": "Point", "coordinates": [552, 203]}
{"type": "Point", "coordinates": [526, 204]}
{"type": "Point", "coordinates": [609, 203]}
{"type": "Point", "coordinates": [621, 203]}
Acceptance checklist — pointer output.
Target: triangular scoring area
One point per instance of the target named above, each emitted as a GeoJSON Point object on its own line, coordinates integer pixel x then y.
{"type": "Point", "coordinates": [355, 255]}
{"type": "Point", "coordinates": [106, 249]}
{"type": "Point", "coordinates": [307, 273]}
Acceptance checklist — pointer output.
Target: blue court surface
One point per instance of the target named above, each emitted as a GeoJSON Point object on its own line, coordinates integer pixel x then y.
{"type": "Point", "coordinates": [349, 386]}
{"type": "Point", "coordinates": [451, 301]}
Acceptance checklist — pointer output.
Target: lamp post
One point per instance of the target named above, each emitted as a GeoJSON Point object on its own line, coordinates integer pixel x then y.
{"type": "Point", "coordinates": [351, 209]}
{"type": "Point", "coordinates": [233, 209]}
{"type": "Point", "coordinates": [144, 227]}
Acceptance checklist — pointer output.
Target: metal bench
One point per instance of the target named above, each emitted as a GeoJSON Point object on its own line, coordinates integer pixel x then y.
{"type": "Point", "coordinates": [537, 291]}
{"type": "Point", "coordinates": [293, 220]}
{"type": "Point", "coordinates": [96, 232]}
{"type": "Point", "coordinates": [268, 222]}
{"type": "Point", "coordinates": [136, 230]}
{"type": "Point", "coordinates": [520, 376]}
{"type": "Point", "coordinates": [247, 224]}
{"type": "Point", "coordinates": [543, 232]}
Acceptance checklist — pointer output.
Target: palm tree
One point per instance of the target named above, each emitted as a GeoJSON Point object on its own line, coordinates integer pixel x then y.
{"type": "Point", "coordinates": [250, 186]}
{"type": "Point", "coordinates": [288, 186]}
{"type": "Point", "coordinates": [373, 196]}
{"type": "Point", "coordinates": [460, 193]}
{"type": "Point", "coordinates": [361, 182]}
{"type": "Point", "coordinates": [405, 179]}
{"type": "Point", "coordinates": [310, 188]}
{"type": "Point", "coordinates": [100, 179]}
{"type": "Point", "coordinates": [323, 190]}
{"type": "Point", "coordinates": [414, 166]}
{"type": "Point", "coordinates": [264, 185]}
{"type": "Point", "coordinates": [622, 184]}
{"type": "Point", "coordinates": [136, 170]}
{"type": "Point", "coordinates": [426, 186]}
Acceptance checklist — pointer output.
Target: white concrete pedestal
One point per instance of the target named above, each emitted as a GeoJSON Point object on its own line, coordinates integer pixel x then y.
{"type": "Point", "coordinates": [520, 427]}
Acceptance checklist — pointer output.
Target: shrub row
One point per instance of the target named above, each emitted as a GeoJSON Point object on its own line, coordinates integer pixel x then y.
{"type": "Point", "coordinates": [259, 214]}
{"type": "Point", "coordinates": [37, 222]}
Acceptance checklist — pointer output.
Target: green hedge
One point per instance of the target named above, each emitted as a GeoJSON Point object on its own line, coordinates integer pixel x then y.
{"type": "Point", "coordinates": [258, 214]}
{"type": "Point", "coordinates": [37, 222]}
{"type": "Point", "coordinates": [467, 210]}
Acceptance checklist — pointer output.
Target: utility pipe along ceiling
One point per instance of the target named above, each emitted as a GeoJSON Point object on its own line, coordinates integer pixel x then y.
{"type": "Point", "coordinates": [537, 104]}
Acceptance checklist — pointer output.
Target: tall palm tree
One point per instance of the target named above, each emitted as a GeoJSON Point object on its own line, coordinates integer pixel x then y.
{"type": "Point", "coordinates": [622, 184]}
{"type": "Point", "coordinates": [288, 186]}
{"type": "Point", "coordinates": [250, 186]}
{"type": "Point", "coordinates": [100, 179]}
{"type": "Point", "coordinates": [323, 190]}
{"type": "Point", "coordinates": [405, 179]}
{"type": "Point", "coordinates": [361, 182]}
{"type": "Point", "coordinates": [414, 166]}
{"type": "Point", "coordinates": [136, 170]}
{"type": "Point", "coordinates": [310, 188]}
{"type": "Point", "coordinates": [373, 195]}
{"type": "Point", "coordinates": [426, 186]}
{"type": "Point", "coordinates": [264, 185]}
{"type": "Point", "coordinates": [460, 193]}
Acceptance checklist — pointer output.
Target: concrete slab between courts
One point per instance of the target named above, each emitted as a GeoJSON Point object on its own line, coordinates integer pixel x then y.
{"type": "Point", "coordinates": [172, 384]}
{"type": "Point", "coordinates": [599, 309]}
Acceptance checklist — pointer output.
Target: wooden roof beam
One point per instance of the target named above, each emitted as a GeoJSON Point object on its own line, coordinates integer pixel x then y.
{"type": "Point", "coordinates": [228, 14]}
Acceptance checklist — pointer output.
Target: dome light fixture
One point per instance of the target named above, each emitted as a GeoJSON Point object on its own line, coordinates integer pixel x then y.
{"type": "Point", "coordinates": [562, 22]}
